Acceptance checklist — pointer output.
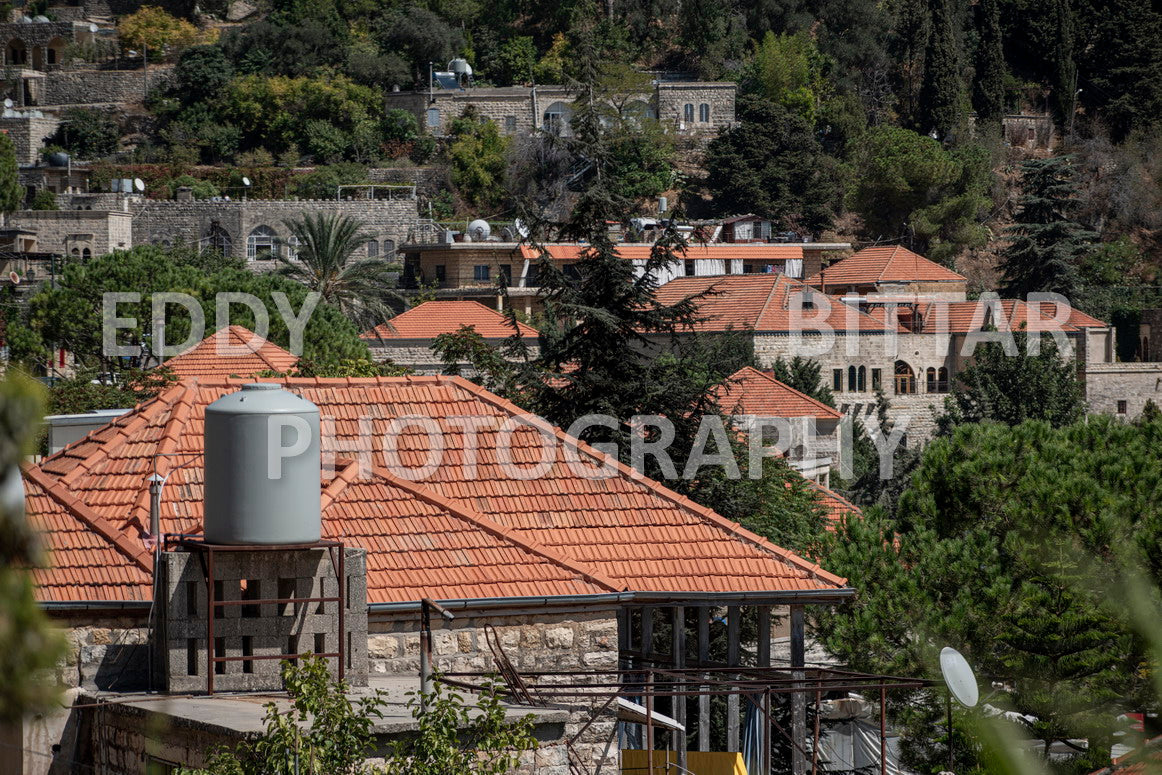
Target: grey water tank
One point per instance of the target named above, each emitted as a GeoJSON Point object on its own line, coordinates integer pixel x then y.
{"type": "Point", "coordinates": [262, 468]}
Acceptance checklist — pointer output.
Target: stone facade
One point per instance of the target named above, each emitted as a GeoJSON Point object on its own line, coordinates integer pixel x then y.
{"type": "Point", "coordinates": [80, 233]}
{"type": "Point", "coordinates": [694, 108]}
{"type": "Point", "coordinates": [28, 132]}
{"type": "Point", "coordinates": [246, 228]}
{"type": "Point", "coordinates": [1150, 336]}
{"type": "Point", "coordinates": [264, 630]}
{"type": "Point", "coordinates": [1122, 389]}
{"type": "Point", "coordinates": [38, 45]}
{"type": "Point", "coordinates": [1029, 131]}
{"type": "Point", "coordinates": [102, 87]}
{"type": "Point", "coordinates": [417, 354]}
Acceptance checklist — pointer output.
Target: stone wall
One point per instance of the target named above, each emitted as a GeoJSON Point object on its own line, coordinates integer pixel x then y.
{"type": "Point", "coordinates": [1122, 389]}
{"type": "Point", "coordinates": [420, 358]}
{"type": "Point", "coordinates": [227, 225]}
{"type": "Point", "coordinates": [101, 87]}
{"type": "Point", "coordinates": [427, 180]}
{"type": "Point", "coordinates": [672, 99]}
{"type": "Point", "coordinates": [28, 134]}
{"type": "Point", "coordinates": [72, 232]}
{"type": "Point", "coordinates": [1150, 336]}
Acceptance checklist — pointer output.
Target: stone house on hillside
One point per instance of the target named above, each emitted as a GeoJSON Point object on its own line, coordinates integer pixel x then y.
{"type": "Point", "coordinates": [689, 107]}
{"type": "Point", "coordinates": [890, 270]}
{"type": "Point", "coordinates": [407, 339]}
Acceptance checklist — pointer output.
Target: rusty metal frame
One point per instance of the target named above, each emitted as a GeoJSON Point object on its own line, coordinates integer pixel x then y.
{"type": "Point", "coordinates": [336, 551]}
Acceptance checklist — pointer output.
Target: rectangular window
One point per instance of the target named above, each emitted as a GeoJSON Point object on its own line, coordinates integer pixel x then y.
{"type": "Point", "coordinates": [441, 273]}
{"type": "Point", "coordinates": [876, 380]}
{"type": "Point", "coordinates": [481, 273]}
{"type": "Point", "coordinates": [506, 274]}
{"type": "Point", "coordinates": [837, 379]}
{"type": "Point", "coordinates": [1121, 407]}
{"type": "Point", "coordinates": [248, 651]}
{"type": "Point", "coordinates": [433, 117]}
{"type": "Point", "coordinates": [510, 124]}
{"type": "Point", "coordinates": [688, 267]}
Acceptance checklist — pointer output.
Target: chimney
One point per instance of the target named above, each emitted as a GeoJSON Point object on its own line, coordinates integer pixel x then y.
{"type": "Point", "coordinates": [185, 194]}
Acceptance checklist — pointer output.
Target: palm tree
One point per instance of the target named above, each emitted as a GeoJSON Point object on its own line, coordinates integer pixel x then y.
{"type": "Point", "coordinates": [363, 289]}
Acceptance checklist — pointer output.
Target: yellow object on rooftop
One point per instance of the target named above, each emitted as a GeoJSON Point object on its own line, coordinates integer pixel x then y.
{"type": "Point", "coordinates": [635, 762]}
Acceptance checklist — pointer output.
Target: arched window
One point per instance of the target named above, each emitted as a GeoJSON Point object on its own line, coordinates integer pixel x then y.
{"type": "Point", "coordinates": [86, 254]}
{"type": "Point", "coordinates": [704, 113]}
{"type": "Point", "coordinates": [219, 240]}
{"type": "Point", "coordinates": [852, 384]}
{"type": "Point", "coordinates": [292, 247]}
{"type": "Point", "coordinates": [942, 380]}
{"type": "Point", "coordinates": [556, 119]}
{"type": "Point", "coordinates": [931, 380]}
{"type": "Point", "coordinates": [389, 248]}
{"type": "Point", "coordinates": [862, 379]}
{"type": "Point", "coordinates": [688, 112]}
{"type": "Point", "coordinates": [17, 53]}
{"type": "Point", "coordinates": [905, 379]}
{"type": "Point", "coordinates": [76, 252]}
{"type": "Point", "coordinates": [261, 243]}
{"type": "Point", "coordinates": [372, 249]}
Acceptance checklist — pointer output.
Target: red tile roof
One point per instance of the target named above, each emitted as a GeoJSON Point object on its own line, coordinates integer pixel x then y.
{"type": "Point", "coordinates": [640, 252]}
{"type": "Point", "coordinates": [838, 507]}
{"type": "Point", "coordinates": [231, 351]}
{"type": "Point", "coordinates": [961, 317]}
{"type": "Point", "coordinates": [1146, 759]}
{"type": "Point", "coordinates": [432, 318]}
{"type": "Point", "coordinates": [560, 533]}
{"type": "Point", "coordinates": [754, 392]}
{"type": "Point", "coordinates": [760, 302]}
{"type": "Point", "coordinates": [884, 264]}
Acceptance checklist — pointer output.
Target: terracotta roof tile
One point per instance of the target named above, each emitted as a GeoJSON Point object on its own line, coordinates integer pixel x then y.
{"type": "Point", "coordinates": [640, 252]}
{"type": "Point", "coordinates": [884, 264]}
{"type": "Point", "coordinates": [231, 351]}
{"type": "Point", "coordinates": [754, 392]}
{"type": "Point", "coordinates": [762, 303]}
{"type": "Point", "coordinates": [623, 531]}
{"type": "Point", "coordinates": [432, 318]}
{"type": "Point", "coordinates": [961, 317]}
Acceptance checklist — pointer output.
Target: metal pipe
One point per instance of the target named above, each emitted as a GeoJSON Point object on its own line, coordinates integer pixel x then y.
{"type": "Point", "coordinates": [650, 723]}
{"type": "Point", "coordinates": [883, 731]}
{"type": "Point", "coordinates": [815, 740]}
{"type": "Point", "coordinates": [342, 581]}
{"type": "Point", "coordinates": [211, 610]}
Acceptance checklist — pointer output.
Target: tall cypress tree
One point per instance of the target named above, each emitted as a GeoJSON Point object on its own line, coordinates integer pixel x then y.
{"type": "Point", "coordinates": [1064, 66]}
{"type": "Point", "coordinates": [1046, 242]}
{"type": "Point", "coordinates": [908, 45]}
{"type": "Point", "coordinates": [941, 100]}
{"type": "Point", "coordinates": [989, 84]}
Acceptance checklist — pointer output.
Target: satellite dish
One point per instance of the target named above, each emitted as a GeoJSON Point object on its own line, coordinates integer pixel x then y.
{"type": "Point", "coordinates": [8, 102]}
{"type": "Point", "coordinates": [245, 181]}
{"type": "Point", "coordinates": [139, 184]}
{"type": "Point", "coordinates": [959, 678]}
{"type": "Point", "coordinates": [479, 230]}
{"type": "Point", "coordinates": [14, 278]}
{"type": "Point", "coordinates": [520, 228]}
{"type": "Point", "coordinates": [460, 67]}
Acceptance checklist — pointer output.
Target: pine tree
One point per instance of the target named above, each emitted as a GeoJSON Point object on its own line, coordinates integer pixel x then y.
{"type": "Point", "coordinates": [941, 96]}
{"type": "Point", "coordinates": [989, 82]}
{"type": "Point", "coordinates": [1046, 243]}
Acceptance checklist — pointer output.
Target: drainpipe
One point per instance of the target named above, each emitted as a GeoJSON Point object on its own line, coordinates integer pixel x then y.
{"type": "Point", "coordinates": [156, 482]}
{"type": "Point", "coordinates": [427, 605]}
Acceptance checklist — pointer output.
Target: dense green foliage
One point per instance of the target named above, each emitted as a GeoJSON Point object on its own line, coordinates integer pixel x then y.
{"type": "Point", "coordinates": [87, 133]}
{"type": "Point", "coordinates": [1011, 388]}
{"type": "Point", "coordinates": [70, 315]}
{"type": "Point", "coordinates": [998, 549]}
{"type": "Point", "coordinates": [29, 645]}
{"type": "Point", "coordinates": [1047, 244]}
{"type": "Point", "coordinates": [11, 192]}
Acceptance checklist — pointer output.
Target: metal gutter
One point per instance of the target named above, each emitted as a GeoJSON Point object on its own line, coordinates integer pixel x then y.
{"type": "Point", "coordinates": [97, 605]}
{"type": "Point", "coordinates": [505, 602]}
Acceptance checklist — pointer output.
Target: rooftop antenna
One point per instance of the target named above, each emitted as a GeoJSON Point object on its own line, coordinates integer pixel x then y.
{"type": "Point", "coordinates": [961, 683]}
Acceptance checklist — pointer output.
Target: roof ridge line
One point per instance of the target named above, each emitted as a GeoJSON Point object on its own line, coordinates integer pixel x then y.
{"type": "Point", "coordinates": [57, 490]}
{"type": "Point", "coordinates": [136, 418]}
{"type": "Point", "coordinates": [799, 393]}
{"type": "Point", "coordinates": [338, 483]}
{"type": "Point", "coordinates": [472, 515]}
{"type": "Point", "coordinates": [657, 487]}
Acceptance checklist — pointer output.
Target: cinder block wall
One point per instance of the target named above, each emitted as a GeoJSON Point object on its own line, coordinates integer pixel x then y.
{"type": "Point", "coordinates": [260, 630]}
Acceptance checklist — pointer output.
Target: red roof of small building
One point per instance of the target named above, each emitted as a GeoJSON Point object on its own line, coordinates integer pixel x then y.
{"type": "Point", "coordinates": [754, 392]}
{"type": "Point", "coordinates": [234, 351]}
{"type": "Point", "coordinates": [453, 535]}
{"type": "Point", "coordinates": [962, 317]}
{"type": "Point", "coordinates": [762, 303]}
{"type": "Point", "coordinates": [562, 251]}
{"type": "Point", "coordinates": [884, 264]}
{"type": "Point", "coordinates": [432, 318]}
{"type": "Point", "coordinates": [838, 507]}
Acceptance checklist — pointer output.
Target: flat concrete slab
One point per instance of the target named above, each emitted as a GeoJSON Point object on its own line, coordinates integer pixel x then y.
{"type": "Point", "coordinates": [234, 713]}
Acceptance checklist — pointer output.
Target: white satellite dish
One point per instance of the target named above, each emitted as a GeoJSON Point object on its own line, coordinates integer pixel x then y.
{"type": "Point", "coordinates": [479, 230]}
{"type": "Point", "coordinates": [139, 184]}
{"type": "Point", "coordinates": [245, 181]}
{"type": "Point", "coordinates": [959, 678]}
{"type": "Point", "coordinates": [519, 226]}
{"type": "Point", "coordinates": [14, 278]}
{"type": "Point", "coordinates": [8, 102]}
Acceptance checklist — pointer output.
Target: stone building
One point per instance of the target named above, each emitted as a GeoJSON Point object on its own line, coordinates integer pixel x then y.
{"type": "Point", "coordinates": [695, 108]}
{"type": "Point", "coordinates": [554, 567]}
{"type": "Point", "coordinates": [470, 270]}
{"type": "Point", "coordinates": [257, 230]}
{"type": "Point", "coordinates": [28, 130]}
{"type": "Point", "coordinates": [39, 44]}
{"type": "Point", "coordinates": [77, 233]}
{"type": "Point", "coordinates": [890, 270]}
{"type": "Point", "coordinates": [910, 348]}
{"type": "Point", "coordinates": [407, 339]}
